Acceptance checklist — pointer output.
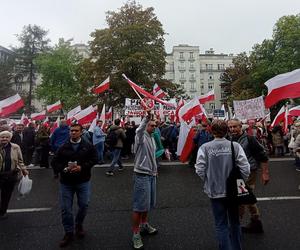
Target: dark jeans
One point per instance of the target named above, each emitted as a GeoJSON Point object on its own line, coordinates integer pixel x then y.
{"type": "Point", "coordinates": [44, 163]}
{"type": "Point", "coordinates": [227, 224]}
{"type": "Point", "coordinates": [100, 149]}
{"type": "Point", "coordinates": [116, 158]}
{"type": "Point", "coordinates": [7, 184]}
{"type": "Point", "coordinates": [83, 192]}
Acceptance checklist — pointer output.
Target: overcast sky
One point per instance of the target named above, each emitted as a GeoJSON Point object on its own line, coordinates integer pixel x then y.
{"type": "Point", "coordinates": [228, 26]}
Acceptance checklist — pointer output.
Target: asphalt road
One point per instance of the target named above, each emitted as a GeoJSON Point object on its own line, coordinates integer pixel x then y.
{"type": "Point", "coordinates": [183, 214]}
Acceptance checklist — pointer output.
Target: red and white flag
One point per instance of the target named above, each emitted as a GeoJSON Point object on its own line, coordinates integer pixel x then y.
{"type": "Point", "coordinates": [55, 125]}
{"type": "Point", "coordinates": [71, 114]}
{"type": "Point", "coordinates": [185, 144]}
{"type": "Point", "coordinates": [158, 92]}
{"type": "Point", "coordinates": [102, 87]}
{"type": "Point", "coordinates": [283, 86]}
{"type": "Point", "coordinates": [86, 115]}
{"type": "Point", "coordinates": [295, 111]}
{"type": "Point", "coordinates": [38, 116]}
{"type": "Point", "coordinates": [54, 107]}
{"type": "Point", "coordinates": [102, 115]}
{"type": "Point", "coordinates": [179, 105]}
{"type": "Point", "coordinates": [46, 121]}
{"type": "Point", "coordinates": [191, 109]}
{"type": "Point", "coordinates": [209, 96]}
{"type": "Point", "coordinates": [24, 120]}
{"type": "Point", "coordinates": [145, 93]}
{"type": "Point", "coordinates": [11, 105]}
{"type": "Point", "coordinates": [108, 115]}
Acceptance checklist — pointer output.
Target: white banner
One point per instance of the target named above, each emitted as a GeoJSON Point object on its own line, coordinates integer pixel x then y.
{"type": "Point", "coordinates": [249, 109]}
{"type": "Point", "coordinates": [133, 108]}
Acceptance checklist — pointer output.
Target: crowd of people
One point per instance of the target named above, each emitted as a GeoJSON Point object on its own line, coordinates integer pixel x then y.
{"type": "Point", "coordinates": [75, 149]}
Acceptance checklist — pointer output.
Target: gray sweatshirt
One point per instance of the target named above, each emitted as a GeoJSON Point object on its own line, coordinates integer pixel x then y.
{"type": "Point", "coordinates": [214, 164]}
{"type": "Point", "coordinates": [144, 148]}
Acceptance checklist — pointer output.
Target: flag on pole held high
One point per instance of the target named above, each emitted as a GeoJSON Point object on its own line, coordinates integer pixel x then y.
{"type": "Point", "coordinates": [283, 86]}
{"type": "Point", "coordinates": [54, 107]}
{"type": "Point", "coordinates": [102, 87]}
{"type": "Point", "coordinates": [71, 114]}
{"type": "Point", "coordinates": [11, 105]}
{"type": "Point", "coordinates": [209, 96]}
{"type": "Point", "coordinates": [38, 116]}
{"type": "Point", "coordinates": [158, 92]}
{"type": "Point", "coordinates": [145, 93]}
{"type": "Point", "coordinates": [191, 109]}
{"type": "Point", "coordinates": [86, 115]}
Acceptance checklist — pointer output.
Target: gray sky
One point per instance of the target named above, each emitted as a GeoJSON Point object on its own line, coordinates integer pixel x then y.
{"type": "Point", "coordinates": [228, 26]}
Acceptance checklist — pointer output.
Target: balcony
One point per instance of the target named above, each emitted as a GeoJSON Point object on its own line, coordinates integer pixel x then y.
{"type": "Point", "coordinates": [181, 58]}
{"type": "Point", "coordinates": [181, 68]}
{"type": "Point", "coordinates": [192, 69]}
{"type": "Point", "coordinates": [192, 79]}
{"type": "Point", "coordinates": [191, 59]}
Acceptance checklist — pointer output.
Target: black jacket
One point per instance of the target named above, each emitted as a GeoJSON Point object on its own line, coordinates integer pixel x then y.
{"type": "Point", "coordinates": [86, 157]}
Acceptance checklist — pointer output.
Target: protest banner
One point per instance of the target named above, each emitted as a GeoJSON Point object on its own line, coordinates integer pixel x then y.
{"type": "Point", "coordinates": [249, 109]}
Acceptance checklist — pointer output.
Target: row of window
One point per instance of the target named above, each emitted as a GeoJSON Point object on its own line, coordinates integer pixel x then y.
{"type": "Point", "coordinates": [182, 66]}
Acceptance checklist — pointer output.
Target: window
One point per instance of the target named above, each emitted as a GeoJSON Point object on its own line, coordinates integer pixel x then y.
{"type": "Point", "coordinates": [192, 76]}
{"type": "Point", "coordinates": [223, 95]}
{"type": "Point", "coordinates": [191, 55]}
{"type": "Point", "coordinates": [18, 86]}
{"type": "Point", "coordinates": [181, 55]}
{"type": "Point", "coordinates": [209, 66]}
{"type": "Point", "coordinates": [212, 106]}
{"type": "Point", "coordinates": [202, 87]}
{"type": "Point", "coordinates": [220, 66]}
{"type": "Point", "coordinates": [210, 86]}
{"type": "Point", "coordinates": [210, 76]}
{"type": "Point", "coordinates": [182, 83]}
{"type": "Point", "coordinates": [182, 75]}
{"type": "Point", "coordinates": [192, 85]}
{"type": "Point", "coordinates": [191, 65]}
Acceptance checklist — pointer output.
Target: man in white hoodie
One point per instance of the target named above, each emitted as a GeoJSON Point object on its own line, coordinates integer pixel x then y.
{"type": "Point", "coordinates": [213, 165]}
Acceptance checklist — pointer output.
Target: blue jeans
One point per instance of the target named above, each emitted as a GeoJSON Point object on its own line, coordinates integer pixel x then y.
{"type": "Point", "coordinates": [100, 148]}
{"type": "Point", "coordinates": [229, 236]}
{"type": "Point", "coordinates": [116, 158]}
{"type": "Point", "coordinates": [83, 192]}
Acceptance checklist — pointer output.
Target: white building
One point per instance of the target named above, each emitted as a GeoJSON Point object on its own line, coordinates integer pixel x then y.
{"type": "Point", "coordinates": [197, 73]}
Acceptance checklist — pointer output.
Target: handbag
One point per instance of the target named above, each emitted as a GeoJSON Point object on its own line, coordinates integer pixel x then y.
{"type": "Point", "coordinates": [25, 185]}
{"type": "Point", "coordinates": [237, 191]}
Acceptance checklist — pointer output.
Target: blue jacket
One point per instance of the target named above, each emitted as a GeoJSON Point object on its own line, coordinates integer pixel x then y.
{"type": "Point", "coordinates": [98, 135]}
{"type": "Point", "coordinates": [59, 137]}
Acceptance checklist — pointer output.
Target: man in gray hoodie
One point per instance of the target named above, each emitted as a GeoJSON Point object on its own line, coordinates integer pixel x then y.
{"type": "Point", "coordinates": [145, 172]}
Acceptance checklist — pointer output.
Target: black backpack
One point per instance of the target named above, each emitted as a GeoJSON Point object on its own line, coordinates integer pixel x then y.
{"type": "Point", "coordinates": [112, 138]}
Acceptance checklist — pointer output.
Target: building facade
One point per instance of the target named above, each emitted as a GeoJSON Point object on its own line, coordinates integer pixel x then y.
{"type": "Point", "coordinates": [198, 73]}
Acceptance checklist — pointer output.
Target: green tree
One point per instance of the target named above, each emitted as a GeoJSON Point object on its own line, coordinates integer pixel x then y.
{"type": "Point", "coordinates": [60, 70]}
{"type": "Point", "coordinates": [33, 42]}
{"type": "Point", "coordinates": [6, 77]}
{"type": "Point", "coordinates": [132, 44]}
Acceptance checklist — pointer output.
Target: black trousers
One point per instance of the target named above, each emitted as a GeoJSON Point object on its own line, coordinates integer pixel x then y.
{"type": "Point", "coordinates": [7, 184]}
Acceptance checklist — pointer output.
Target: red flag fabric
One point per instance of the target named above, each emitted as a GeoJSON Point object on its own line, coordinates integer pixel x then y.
{"type": "Point", "coordinates": [38, 116]}
{"type": "Point", "coordinates": [54, 107]}
{"type": "Point", "coordinates": [55, 125]}
{"type": "Point", "coordinates": [71, 114]}
{"type": "Point", "coordinates": [185, 143]}
{"type": "Point", "coordinates": [209, 96]}
{"type": "Point", "coordinates": [86, 115]}
{"type": "Point", "coordinates": [158, 92]}
{"type": "Point", "coordinates": [11, 105]}
{"type": "Point", "coordinates": [108, 115]}
{"type": "Point", "coordinates": [295, 111]}
{"type": "Point", "coordinates": [102, 87]}
{"type": "Point", "coordinates": [24, 120]}
{"type": "Point", "coordinates": [190, 110]}
{"type": "Point", "coordinates": [283, 86]}
{"type": "Point", "coordinates": [145, 93]}
{"type": "Point", "coordinates": [179, 105]}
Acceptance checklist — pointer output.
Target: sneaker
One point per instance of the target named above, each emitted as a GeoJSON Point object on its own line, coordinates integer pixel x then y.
{"type": "Point", "coordinates": [79, 231]}
{"type": "Point", "coordinates": [68, 238]}
{"type": "Point", "coordinates": [109, 173]}
{"type": "Point", "coordinates": [121, 168]}
{"type": "Point", "coordinates": [147, 229]}
{"type": "Point", "coordinates": [297, 169]}
{"type": "Point", "coordinates": [137, 241]}
{"type": "Point", "coordinates": [255, 226]}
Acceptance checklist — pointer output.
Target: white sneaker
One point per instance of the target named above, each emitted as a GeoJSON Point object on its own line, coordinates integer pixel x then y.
{"type": "Point", "coordinates": [31, 165]}
{"type": "Point", "coordinates": [137, 241]}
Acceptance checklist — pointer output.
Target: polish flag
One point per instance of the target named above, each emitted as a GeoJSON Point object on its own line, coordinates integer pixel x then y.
{"type": "Point", "coordinates": [102, 116]}
{"type": "Point", "coordinates": [71, 114]}
{"type": "Point", "coordinates": [38, 116]}
{"type": "Point", "coordinates": [54, 107]}
{"type": "Point", "coordinates": [209, 96]}
{"type": "Point", "coordinates": [46, 121]}
{"type": "Point", "coordinates": [282, 116]}
{"type": "Point", "coordinates": [55, 125]}
{"type": "Point", "coordinates": [158, 92]}
{"type": "Point", "coordinates": [24, 120]}
{"type": "Point", "coordinates": [185, 144]}
{"type": "Point", "coordinates": [295, 111]}
{"type": "Point", "coordinates": [102, 87]}
{"type": "Point", "coordinates": [145, 93]}
{"type": "Point", "coordinates": [108, 115]}
{"type": "Point", "coordinates": [190, 110]}
{"type": "Point", "coordinates": [11, 105]}
{"type": "Point", "coordinates": [179, 105]}
{"type": "Point", "coordinates": [282, 87]}
{"type": "Point", "coordinates": [86, 115]}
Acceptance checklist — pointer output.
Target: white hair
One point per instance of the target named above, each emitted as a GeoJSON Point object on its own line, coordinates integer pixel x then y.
{"type": "Point", "coordinates": [6, 133]}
